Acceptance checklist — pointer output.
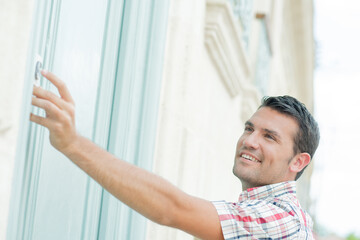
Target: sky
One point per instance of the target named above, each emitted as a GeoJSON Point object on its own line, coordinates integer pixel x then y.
{"type": "Point", "coordinates": [336, 180]}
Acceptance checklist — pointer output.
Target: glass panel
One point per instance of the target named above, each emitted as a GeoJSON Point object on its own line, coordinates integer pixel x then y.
{"type": "Point", "coordinates": [76, 51]}
{"type": "Point", "coordinates": [49, 192]}
{"type": "Point", "coordinates": [263, 60]}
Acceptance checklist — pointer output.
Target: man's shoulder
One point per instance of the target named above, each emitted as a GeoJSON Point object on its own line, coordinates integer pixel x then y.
{"type": "Point", "coordinates": [266, 209]}
{"type": "Point", "coordinates": [263, 219]}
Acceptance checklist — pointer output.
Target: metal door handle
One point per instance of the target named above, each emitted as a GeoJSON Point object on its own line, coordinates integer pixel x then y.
{"type": "Point", "coordinates": [38, 67]}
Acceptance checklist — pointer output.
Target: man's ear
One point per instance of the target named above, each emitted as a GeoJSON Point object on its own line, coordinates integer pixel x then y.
{"type": "Point", "coordinates": [300, 161]}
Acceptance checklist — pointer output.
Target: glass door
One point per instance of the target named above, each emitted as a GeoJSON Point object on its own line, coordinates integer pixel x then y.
{"type": "Point", "coordinates": [109, 53]}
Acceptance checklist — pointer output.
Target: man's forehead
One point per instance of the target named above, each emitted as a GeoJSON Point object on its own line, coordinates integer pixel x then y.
{"type": "Point", "coordinates": [273, 120]}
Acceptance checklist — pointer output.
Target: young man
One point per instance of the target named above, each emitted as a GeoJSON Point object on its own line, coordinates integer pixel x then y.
{"type": "Point", "coordinates": [278, 142]}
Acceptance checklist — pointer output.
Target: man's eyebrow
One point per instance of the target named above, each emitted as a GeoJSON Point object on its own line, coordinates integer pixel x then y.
{"type": "Point", "coordinates": [248, 123]}
{"type": "Point", "coordinates": [272, 132]}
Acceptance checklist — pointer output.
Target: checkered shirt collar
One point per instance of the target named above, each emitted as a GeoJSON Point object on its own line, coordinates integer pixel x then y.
{"type": "Point", "coordinates": [272, 190]}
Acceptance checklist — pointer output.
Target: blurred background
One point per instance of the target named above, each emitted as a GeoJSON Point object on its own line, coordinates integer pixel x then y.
{"type": "Point", "coordinates": [186, 75]}
{"type": "Point", "coordinates": [335, 181]}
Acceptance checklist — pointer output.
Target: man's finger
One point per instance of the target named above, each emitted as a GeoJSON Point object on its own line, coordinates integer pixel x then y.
{"type": "Point", "coordinates": [50, 108]}
{"type": "Point", "coordinates": [44, 94]}
{"type": "Point", "coordinates": [59, 84]}
{"type": "Point", "coordinates": [40, 120]}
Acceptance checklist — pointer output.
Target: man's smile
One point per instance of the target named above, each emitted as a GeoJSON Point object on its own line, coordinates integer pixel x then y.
{"type": "Point", "coordinates": [249, 157]}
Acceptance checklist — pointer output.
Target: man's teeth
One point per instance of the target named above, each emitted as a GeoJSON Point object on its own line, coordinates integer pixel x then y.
{"type": "Point", "coordinates": [249, 158]}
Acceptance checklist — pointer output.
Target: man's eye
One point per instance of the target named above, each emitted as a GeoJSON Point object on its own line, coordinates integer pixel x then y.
{"type": "Point", "coordinates": [269, 137]}
{"type": "Point", "coordinates": [248, 129]}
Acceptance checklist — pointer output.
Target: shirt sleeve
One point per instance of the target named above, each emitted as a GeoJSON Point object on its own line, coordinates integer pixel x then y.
{"type": "Point", "coordinates": [256, 220]}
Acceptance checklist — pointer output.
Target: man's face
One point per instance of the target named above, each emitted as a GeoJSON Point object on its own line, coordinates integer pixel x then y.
{"type": "Point", "coordinates": [265, 149]}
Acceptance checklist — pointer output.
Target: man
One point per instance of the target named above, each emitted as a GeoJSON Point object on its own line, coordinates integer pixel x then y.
{"type": "Point", "coordinates": [278, 142]}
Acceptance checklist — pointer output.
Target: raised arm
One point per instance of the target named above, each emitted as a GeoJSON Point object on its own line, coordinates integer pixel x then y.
{"type": "Point", "coordinates": [145, 192]}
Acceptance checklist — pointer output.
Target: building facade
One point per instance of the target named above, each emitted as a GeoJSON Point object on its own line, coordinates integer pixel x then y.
{"type": "Point", "coordinates": [221, 58]}
{"type": "Point", "coordinates": [166, 85]}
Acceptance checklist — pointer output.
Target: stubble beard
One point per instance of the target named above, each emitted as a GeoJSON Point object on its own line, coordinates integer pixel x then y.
{"type": "Point", "coordinates": [246, 180]}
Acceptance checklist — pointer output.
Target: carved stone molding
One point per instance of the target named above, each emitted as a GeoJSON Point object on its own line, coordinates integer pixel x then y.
{"type": "Point", "coordinates": [223, 40]}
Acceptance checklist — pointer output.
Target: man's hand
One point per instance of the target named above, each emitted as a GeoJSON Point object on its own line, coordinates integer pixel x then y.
{"type": "Point", "coordinates": [60, 113]}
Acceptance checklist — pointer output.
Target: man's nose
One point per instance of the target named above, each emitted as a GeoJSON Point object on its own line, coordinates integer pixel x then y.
{"type": "Point", "coordinates": [251, 141]}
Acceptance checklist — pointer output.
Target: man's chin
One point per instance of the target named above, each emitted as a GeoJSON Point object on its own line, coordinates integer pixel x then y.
{"type": "Point", "coordinates": [240, 175]}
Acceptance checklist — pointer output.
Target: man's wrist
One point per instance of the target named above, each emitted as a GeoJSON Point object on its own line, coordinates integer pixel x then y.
{"type": "Point", "coordinates": [73, 148]}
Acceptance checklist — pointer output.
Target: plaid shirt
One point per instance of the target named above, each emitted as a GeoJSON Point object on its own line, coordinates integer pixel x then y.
{"type": "Point", "coordinates": [267, 212]}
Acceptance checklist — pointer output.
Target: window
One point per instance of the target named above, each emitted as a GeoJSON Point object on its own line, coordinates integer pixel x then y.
{"type": "Point", "coordinates": [243, 10]}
